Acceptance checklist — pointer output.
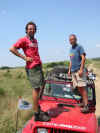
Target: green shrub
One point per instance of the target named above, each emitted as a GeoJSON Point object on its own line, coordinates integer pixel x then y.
{"type": "Point", "coordinates": [54, 64]}
{"type": "Point", "coordinates": [96, 59]}
{"type": "Point", "coordinates": [7, 74]}
{"type": "Point", "coordinates": [4, 67]}
{"type": "Point", "coordinates": [2, 91]}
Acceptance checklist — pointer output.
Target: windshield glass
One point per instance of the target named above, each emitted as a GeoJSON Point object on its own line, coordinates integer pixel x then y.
{"type": "Point", "coordinates": [60, 90]}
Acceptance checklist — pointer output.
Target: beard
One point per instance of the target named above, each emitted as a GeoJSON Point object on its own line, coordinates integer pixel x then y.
{"type": "Point", "coordinates": [31, 35]}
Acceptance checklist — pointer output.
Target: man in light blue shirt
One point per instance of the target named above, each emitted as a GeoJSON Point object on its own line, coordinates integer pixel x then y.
{"type": "Point", "coordinates": [76, 67]}
{"type": "Point", "coordinates": [75, 56]}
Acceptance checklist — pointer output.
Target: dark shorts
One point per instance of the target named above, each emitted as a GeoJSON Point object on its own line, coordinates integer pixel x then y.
{"type": "Point", "coordinates": [35, 76]}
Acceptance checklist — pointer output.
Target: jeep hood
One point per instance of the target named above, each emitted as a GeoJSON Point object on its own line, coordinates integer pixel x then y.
{"type": "Point", "coordinates": [68, 117]}
{"type": "Point", "coordinates": [64, 118]}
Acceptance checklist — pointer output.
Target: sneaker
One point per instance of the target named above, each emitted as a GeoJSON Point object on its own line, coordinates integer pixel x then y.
{"type": "Point", "coordinates": [85, 109]}
{"type": "Point", "coordinates": [41, 117]}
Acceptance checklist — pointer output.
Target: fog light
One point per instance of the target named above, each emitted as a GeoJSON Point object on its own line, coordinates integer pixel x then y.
{"type": "Point", "coordinates": [42, 130]}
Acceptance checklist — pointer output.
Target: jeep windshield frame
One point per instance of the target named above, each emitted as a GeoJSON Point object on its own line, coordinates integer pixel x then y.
{"type": "Point", "coordinates": [58, 75]}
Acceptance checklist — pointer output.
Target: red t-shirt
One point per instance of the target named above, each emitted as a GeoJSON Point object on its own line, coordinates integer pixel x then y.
{"type": "Point", "coordinates": [30, 49]}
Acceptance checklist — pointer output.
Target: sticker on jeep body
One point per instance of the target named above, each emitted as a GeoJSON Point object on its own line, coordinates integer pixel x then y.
{"type": "Point", "coordinates": [65, 126]}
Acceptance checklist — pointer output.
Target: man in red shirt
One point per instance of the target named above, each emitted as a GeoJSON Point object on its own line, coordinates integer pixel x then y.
{"type": "Point", "coordinates": [33, 66]}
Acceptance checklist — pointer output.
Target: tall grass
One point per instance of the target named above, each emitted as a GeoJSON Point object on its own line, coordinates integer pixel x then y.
{"type": "Point", "coordinates": [14, 83]}
{"type": "Point", "coordinates": [7, 74]}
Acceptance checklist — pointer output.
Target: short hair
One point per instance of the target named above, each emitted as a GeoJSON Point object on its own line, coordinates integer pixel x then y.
{"type": "Point", "coordinates": [30, 23]}
{"type": "Point", "coordinates": [72, 35]}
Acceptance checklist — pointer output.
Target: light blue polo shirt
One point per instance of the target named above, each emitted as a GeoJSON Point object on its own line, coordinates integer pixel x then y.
{"type": "Point", "coordinates": [75, 56]}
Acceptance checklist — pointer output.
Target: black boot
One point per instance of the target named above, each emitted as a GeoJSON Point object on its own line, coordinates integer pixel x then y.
{"type": "Point", "coordinates": [42, 112]}
{"type": "Point", "coordinates": [85, 109]}
{"type": "Point", "coordinates": [41, 117]}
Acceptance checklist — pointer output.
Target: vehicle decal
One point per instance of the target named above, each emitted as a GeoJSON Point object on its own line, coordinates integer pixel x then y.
{"type": "Point", "coordinates": [64, 125]}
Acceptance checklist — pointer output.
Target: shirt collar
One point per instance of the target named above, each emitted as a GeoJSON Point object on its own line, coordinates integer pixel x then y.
{"type": "Point", "coordinates": [74, 46]}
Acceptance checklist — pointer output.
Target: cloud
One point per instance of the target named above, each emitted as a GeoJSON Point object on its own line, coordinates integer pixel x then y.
{"type": "Point", "coordinates": [98, 45]}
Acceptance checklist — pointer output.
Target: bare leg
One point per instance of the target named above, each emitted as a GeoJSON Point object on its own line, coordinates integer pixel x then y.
{"type": "Point", "coordinates": [38, 115]}
{"type": "Point", "coordinates": [35, 95]}
{"type": "Point", "coordinates": [83, 92]}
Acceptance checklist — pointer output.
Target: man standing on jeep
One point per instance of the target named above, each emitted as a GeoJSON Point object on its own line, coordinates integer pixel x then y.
{"type": "Point", "coordinates": [33, 66]}
{"type": "Point", "coordinates": [76, 67]}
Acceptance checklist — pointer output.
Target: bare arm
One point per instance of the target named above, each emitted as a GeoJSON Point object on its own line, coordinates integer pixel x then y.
{"type": "Point", "coordinates": [82, 65]}
{"type": "Point", "coordinates": [70, 65]}
{"type": "Point", "coordinates": [15, 51]}
{"type": "Point", "coordinates": [82, 62]}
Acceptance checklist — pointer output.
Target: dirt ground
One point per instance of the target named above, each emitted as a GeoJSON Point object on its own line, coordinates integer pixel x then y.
{"type": "Point", "coordinates": [97, 84]}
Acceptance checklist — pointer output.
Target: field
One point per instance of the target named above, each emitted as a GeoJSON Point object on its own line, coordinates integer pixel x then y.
{"type": "Point", "coordinates": [14, 83]}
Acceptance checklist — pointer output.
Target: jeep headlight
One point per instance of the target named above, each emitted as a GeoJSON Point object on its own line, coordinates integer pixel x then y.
{"type": "Point", "coordinates": [42, 130]}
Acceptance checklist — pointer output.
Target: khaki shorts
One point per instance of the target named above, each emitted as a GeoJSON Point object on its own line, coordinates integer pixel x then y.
{"type": "Point", "coordinates": [79, 81]}
{"type": "Point", "coordinates": [35, 76]}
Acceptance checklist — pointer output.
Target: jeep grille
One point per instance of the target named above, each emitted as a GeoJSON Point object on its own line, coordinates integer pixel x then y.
{"type": "Point", "coordinates": [61, 131]}
{"type": "Point", "coordinates": [54, 130]}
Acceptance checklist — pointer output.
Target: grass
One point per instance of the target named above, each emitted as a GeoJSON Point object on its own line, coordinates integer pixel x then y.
{"type": "Point", "coordinates": [2, 92]}
{"type": "Point", "coordinates": [14, 83]}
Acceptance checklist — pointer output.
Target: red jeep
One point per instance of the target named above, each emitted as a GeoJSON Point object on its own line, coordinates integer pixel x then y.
{"type": "Point", "coordinates": [61, 102]}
